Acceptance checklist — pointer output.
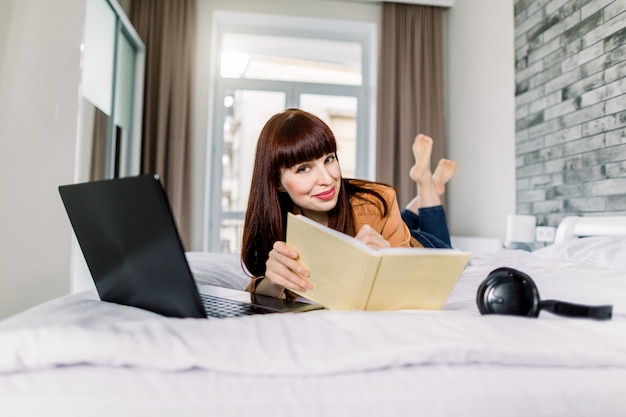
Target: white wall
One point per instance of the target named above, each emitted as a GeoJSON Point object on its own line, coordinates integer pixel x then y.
{"type": "Point", "coordinates": [39, 86]}
{"type": "Point", "coordinates": [480, 111]}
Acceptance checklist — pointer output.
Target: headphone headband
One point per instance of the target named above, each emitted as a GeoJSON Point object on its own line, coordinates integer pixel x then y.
{"type": "Point", "coordinates": [563, 308]}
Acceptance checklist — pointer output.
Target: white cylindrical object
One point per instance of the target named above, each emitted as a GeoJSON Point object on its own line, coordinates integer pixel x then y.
{"type": "Point", "coordinates": [520, 228]}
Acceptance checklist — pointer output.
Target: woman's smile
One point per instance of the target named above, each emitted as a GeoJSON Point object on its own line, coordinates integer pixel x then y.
{"type": "Point", "coordinates": [326, 195]}
{"type": "Point", "coordinates": [313, 185]}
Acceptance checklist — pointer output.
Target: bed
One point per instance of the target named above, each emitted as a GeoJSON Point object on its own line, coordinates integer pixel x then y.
{"type": "Point", "coordinates": [77, 356]}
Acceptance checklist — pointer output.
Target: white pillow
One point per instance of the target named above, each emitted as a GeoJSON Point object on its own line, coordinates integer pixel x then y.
{"type": "Point", "coordinates": [608, 251]}
{"type": "Point", "coordinates": [219, 269]}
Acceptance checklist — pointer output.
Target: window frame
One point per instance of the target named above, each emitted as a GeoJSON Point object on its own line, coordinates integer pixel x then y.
{"type": "Point", "coordinates": [251, 23]}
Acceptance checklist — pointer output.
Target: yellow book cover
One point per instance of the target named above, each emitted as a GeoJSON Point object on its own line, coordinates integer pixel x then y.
{"type": "Point", "coordinates": [346, 274]}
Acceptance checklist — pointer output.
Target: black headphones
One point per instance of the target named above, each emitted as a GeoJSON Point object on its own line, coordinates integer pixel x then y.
{"type": "Point", "coordinates": [509, 291]}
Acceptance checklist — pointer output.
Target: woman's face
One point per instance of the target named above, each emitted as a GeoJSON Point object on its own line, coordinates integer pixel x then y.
{"type": "Point", "coordinates": [313, 186]}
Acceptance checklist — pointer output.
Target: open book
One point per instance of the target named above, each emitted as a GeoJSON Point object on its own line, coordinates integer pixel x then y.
{"type": "Point", "coordinates": [346, 274]}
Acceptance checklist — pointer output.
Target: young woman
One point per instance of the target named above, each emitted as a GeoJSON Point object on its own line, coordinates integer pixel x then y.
{"type": "Point", "coordinates": [296, 170]}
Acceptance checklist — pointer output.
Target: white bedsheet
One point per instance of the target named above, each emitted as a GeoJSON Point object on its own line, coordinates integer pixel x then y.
{"type": "Point", "coordinates": [298, 344]}
{"type": "Point", "coordinates": [355, 363]}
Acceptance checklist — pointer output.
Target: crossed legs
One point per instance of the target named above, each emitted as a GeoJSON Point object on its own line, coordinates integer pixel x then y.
{"type": "Point", "coordinates": [425, 214]}
{"type": "Point", "coordinates": [430, 186]}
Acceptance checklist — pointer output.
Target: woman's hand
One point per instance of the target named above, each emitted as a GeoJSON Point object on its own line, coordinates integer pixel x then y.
{"type": "Point", "coordinates": [283, 269]}
{"type": "Point", "coordinates": [372, 238]}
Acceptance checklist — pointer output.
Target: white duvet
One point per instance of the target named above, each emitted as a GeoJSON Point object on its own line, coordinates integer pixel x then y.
{"type": "Point", "coordinates": [79, 330]}
{"type": "Point", "coordinates": [76, 356]}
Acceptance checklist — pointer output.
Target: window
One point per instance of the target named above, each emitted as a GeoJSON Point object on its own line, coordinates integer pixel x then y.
{"type": "Point", "coordinates": [261, 69]}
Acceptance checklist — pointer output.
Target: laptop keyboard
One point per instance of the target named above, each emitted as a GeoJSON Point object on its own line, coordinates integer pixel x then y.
{"type": "Point", "coordinates": [222, 307]}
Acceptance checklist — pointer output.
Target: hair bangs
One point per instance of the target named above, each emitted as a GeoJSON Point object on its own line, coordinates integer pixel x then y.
{"type": "Point", "coordinates": [302, 137]}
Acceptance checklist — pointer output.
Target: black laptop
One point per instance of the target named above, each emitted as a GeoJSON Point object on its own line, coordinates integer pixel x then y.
{"type": "Point", "coordinates": [128, 236]}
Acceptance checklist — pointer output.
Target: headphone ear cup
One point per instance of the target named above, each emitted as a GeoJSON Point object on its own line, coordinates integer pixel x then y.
{"type": "Point", "coordinates": [482, 294]}
{"type": "Point", "coordinates": [508, 291]}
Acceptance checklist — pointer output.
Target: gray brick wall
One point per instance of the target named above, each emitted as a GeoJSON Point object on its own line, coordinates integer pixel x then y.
{"type": "Point", "coordinates": [570, 58]}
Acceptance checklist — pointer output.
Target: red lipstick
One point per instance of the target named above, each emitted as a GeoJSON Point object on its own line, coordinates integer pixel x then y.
{"type": "Point", "coordinates": [326, 195]}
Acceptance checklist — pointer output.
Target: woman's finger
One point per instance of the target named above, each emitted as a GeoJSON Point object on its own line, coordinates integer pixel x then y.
{"type": "Point", "coordinates": [282, 268]}
{"type": "Point", "coordinates": [372, 238]}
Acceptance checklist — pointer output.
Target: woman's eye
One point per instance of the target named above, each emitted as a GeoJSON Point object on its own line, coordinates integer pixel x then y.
{"type": "Point", "coordinates": [302, 168]}
{"type": "Point", "coordinates": [330, 158]}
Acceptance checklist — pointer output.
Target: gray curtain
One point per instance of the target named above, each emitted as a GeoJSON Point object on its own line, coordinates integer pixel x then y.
{"type": "Point", "coordinates": [167, 27]}
{"type": "Point", "coordinates": [410, 91]}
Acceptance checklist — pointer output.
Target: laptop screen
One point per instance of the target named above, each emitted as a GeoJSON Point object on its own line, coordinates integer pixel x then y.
{"type": "Point", "coordinates": [129, 238]}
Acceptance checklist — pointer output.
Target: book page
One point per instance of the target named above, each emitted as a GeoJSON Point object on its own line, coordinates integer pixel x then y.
{"type": "Point", "coordinates": [420, 281]}
{"type": "Point", "coordinates": [336, 262]}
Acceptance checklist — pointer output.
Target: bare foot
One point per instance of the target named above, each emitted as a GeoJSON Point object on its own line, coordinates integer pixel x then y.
{"type": "Point", "coordinates": [422, 148]}
{"type": "Point", "coordinates": [444, 171]}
